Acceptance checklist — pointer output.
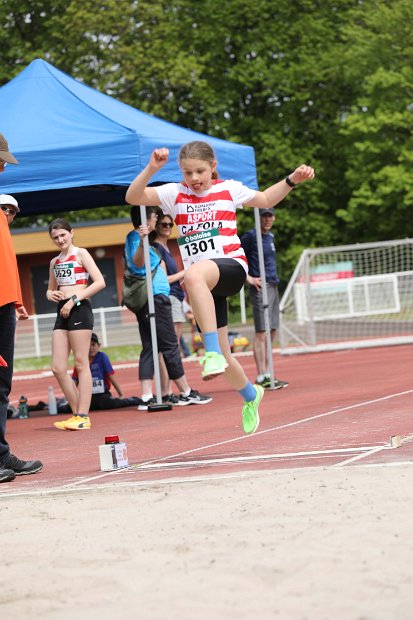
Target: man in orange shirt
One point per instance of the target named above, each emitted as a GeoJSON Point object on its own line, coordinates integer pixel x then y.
{"type": "Point", "coordinates": [10, 304]}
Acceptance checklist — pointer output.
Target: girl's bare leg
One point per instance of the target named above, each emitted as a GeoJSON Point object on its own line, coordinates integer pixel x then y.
{"type": "Point", "coordinates": [80, 344]}
{"type": "Point", "coordinates": [60, 356]}
{"type": "Point", "coordinates": [199, 280]}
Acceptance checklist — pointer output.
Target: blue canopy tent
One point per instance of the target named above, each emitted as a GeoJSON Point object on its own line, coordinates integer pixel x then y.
{"type": "Point", "coordinates": [78, 148]}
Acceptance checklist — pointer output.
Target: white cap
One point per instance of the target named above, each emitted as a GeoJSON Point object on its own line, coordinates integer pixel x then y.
{"type": "Point", "coordinates": [6, 199]}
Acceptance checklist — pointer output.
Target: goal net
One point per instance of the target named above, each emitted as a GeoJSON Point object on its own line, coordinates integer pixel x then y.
{"type": "Point", "coordinates": [349, 296]}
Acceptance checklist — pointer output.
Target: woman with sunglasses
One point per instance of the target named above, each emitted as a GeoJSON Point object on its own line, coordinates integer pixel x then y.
{"type": "Point", "coordinates": [165, 335]}
{"type": "Point", "coordinates": [159, 240]}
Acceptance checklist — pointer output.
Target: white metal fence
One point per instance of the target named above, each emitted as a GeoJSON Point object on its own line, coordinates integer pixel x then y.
{"type": "Point", "coordinates": [349, 296]}
{"type": "Point", "coordinates": [115, 326]}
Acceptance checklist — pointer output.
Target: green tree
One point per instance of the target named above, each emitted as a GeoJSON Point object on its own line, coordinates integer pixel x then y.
{"type": "Point", "coordinates": [243, 71]}
{"type": "Point", "coordinates": [378, 128]}
{"type": "Point", "coordinates": [26, 28]}
{"type": "Point", "coordinates": [327, 83]}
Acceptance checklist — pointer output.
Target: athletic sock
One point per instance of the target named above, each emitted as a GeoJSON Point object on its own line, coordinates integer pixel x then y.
{"type": "Point", "coordinates": [146, 397]}
{"type": "Point", "coordinates": [211, 342]}
{"type": "Point", "coordinates": [260, 378]}
{"type": "Point", "coordinates": [187, 393]}
{"type": "Point", "coordinates": [248, 393]}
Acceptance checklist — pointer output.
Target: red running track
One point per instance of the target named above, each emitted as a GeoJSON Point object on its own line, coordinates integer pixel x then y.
{"type": "Point", "coordinates": [340, 408]}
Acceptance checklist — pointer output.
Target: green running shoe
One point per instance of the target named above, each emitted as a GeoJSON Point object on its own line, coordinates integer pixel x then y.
{"type": "Point", "coordinates": [214, 364]}
{"type": "Point", "coordinates": [250, 417]}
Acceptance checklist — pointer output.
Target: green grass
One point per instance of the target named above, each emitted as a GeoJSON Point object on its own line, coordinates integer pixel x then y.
{"type": "Point", "coordinates": [33, 363]}
{"type": "Point", "coordinates": [124, 353]}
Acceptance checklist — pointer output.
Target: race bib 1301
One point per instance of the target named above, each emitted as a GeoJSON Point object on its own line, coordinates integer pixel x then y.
{"type": "Point", "coordinates": [200, 246]}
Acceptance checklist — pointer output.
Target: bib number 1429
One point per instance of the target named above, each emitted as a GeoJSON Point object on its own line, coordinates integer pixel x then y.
{"type": "Point", "coordinates": [200, 246]}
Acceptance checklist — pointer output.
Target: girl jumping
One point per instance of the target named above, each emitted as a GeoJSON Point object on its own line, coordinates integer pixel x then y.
{"type": "Point", "coordinates": [204, 210]}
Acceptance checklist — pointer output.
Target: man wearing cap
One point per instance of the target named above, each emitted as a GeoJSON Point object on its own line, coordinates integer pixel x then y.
{"type": "Point", "coordinates": [10, 304]}
{"type": "Point", "coordinates": [9, 206]}
{"type": "Point", "coordinates": [249, 243]}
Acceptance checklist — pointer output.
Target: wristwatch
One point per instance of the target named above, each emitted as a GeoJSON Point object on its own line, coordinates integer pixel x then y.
{"type": "Point", "coordinates": [289, 182]}
{"type": "Point", "coordinates": [75, 300]}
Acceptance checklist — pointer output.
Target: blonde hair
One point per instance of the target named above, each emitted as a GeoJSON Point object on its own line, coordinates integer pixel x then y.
{"type": "Point", "coordinates": [198, 150]}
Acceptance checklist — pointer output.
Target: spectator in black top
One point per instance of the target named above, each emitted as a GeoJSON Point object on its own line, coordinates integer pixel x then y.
{"type": "Point", "coordinates": [166, 338]}
{"type": "Point", "coordinates": [249, 243]}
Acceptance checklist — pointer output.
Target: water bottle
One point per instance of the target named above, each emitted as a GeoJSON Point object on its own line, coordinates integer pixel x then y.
{"type": "Point", "coordinates": [23, 408]}
{"type": "Point", "coordinates": [51, 401]}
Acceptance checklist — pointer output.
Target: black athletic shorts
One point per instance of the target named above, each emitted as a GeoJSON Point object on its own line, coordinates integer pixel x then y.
{"type": "Point", "coordinates": [80, 317]}
{"type": "Point", "coordinates": [232, 277]}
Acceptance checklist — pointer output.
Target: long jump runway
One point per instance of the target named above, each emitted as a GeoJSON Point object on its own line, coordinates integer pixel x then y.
{"type": "Point", "coordinates": [340, 409]}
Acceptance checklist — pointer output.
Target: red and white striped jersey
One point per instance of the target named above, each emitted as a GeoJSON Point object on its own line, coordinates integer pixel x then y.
{"type": "Point", "coordinates": [214, 208]}
{"type": "Point", "coordinates": [70, 271]}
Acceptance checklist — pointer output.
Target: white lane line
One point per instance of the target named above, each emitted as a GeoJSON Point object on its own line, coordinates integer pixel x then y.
{"type": "Point", "coordinates": [161, 464]}
{"type": "Point", "coordinates": [70, 485]}
{"type": "Point", "coordinates": [38, 375]}
{"type": "Point", "coordinates": [178, 480]}
{"type": "Point", "coordinates": [188, 464]}
{"type": "Point", "coordinates": [362, 456]}
{"type": "Point", "coordinates": [259, 457]}
{"type": "Point", "coordinates": [103, 474]}
{"type": "Point", "coordinates": [277, 428]}
{"type": "Point", "coordinates": [405, 439]}
{"type": "Point", "coordinates": [134, 483]}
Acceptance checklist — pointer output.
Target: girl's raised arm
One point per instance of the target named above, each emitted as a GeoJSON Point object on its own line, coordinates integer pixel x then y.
{"type": "Point", "coordinates": [277, 192]}
{"type": "Point", "coordinates": [138, 193]}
